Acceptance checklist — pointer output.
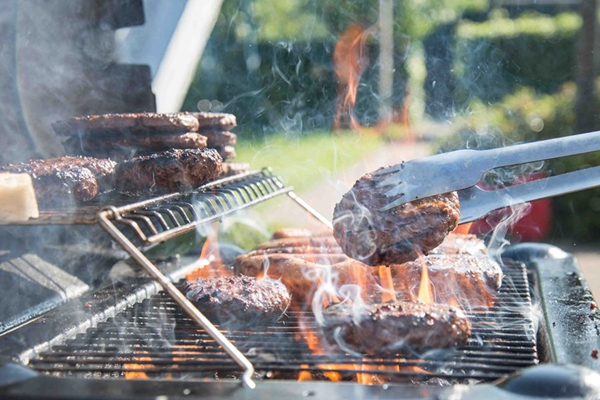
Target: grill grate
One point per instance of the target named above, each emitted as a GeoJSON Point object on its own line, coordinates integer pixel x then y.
{"type": "Point", "coordinates": [156, 339]}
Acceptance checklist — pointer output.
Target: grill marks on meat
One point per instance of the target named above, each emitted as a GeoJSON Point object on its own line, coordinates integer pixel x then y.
{"type": "Point", "coordinates": [64, 179]}
{"type": "Point", "coordinates": [375, 237]}
{"type": "Point", "coordinates": [233, 301]}
{"type": "Point", "coordinates": [469, 280]}
{"type": "Point", "coordinates": [168, 171]}
{"type": "Point", "coordinates": [397, 326]}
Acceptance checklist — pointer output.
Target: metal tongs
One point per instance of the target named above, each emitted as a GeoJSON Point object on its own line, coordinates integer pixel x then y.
{"type": "Point", "coordinates": [462, 170]}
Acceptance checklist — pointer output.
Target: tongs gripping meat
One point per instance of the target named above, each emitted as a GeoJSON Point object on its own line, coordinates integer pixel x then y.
{"type": "Point", "coordinates": [461, 171]}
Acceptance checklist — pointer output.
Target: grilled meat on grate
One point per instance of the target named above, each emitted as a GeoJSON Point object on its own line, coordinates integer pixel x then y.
{"type": "Point", "coordinates": [304, 264]}
{"type": "Point", "coordinates": [168, 171]}
{"type": "Point", "coordinates": [239, 300]}
{"type": "Point", "coordinates": [471, 280]}
{"type": "Point", "coordinates": [375, 237]}
{"type": "Point", "coordinates": [396, 326]}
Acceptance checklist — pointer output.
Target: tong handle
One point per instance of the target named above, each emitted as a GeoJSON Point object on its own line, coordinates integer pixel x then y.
{"type": "Point", "coordinates": [541, 150]}
{"type": "Point", "coordinates": [476, 203]}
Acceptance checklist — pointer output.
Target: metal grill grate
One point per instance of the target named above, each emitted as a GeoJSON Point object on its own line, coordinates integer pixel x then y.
{"type": "Point", "coordinates": [156, 339]}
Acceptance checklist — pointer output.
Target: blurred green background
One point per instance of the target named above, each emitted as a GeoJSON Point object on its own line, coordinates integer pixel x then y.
{"type": "Point", "coordinates": [469, 73]}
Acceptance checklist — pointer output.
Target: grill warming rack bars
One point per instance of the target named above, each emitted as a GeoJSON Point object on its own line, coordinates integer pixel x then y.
{"type": "Point", "coordinates": [156, 220]}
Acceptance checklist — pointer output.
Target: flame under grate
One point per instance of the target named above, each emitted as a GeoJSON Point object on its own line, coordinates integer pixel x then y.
{"type": "Point", "coordinates": [156, 340]}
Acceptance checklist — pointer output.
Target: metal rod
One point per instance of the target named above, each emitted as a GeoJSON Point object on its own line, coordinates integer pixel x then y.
{"type": "Point", "coordinates": [311, 210]}
{"type": "Point", "coordinates": [176, 295]}
{"type": "Point", "coordinates": [174, 232]}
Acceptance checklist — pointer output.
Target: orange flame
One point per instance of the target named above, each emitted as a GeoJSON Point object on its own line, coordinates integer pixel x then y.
{"type": "Point", "coordinates": [350, 61]}
{"type": "Point", "coordinates": [136, 366]}
{"type": "Point", "coordinates": [210, 252]}
{"type": "Point", "coordinates": [425, 293]}
{"type": "Point", "coordinates": [388, 292]}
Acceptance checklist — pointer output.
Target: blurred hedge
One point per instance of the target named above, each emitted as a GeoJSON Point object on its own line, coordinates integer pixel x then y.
{"type": "Point", "coordinates": [497, 56]}
{"type": "Point", "coordinates": [523, 117]}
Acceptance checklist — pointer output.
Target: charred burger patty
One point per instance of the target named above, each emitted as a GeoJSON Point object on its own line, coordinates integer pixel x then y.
{"type": "Point", "coordinates": [239, 300]}
{"type": "Point", "coordinates": [374, 236]}
{"type": "Point", "coordinates": [394, 327]}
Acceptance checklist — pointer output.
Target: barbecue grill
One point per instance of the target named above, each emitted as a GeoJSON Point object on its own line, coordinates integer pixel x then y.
{"type": "Point", "coordinates": [91, 306]}
{"type": "Point", "coordinates": [131, 338]}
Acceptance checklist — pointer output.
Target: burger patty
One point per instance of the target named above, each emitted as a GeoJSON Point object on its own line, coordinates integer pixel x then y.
{"type": "Point", "coordinates": [303, 277]}
{"type": "Point", "coordinates": [210, 121]}
{"type": "Point", "coordinates": [63, 179]}
{"type": "Point", "coordinates": [471, 280]}
{"type": "Point", "coordinates": [215, 139]}
{"type": "Point", "coordinates": [129, 145]}
{"type": "Point", "coordinates": [374, 236]}
{"type": "Point", "coordinates": [226, 152]}
{"type": "Point", "coordinates": [396, 326]}
{"type": "Point", "coordinates": [168, 171]}
{"type": "Point", "coordinates": [127, 124]}
{"type": "Point", "coordinates": [456, 243]}
{"type": "Point", "coordinates": [232, 169]}
{"type": "Point", "coordinates": [239, 300]}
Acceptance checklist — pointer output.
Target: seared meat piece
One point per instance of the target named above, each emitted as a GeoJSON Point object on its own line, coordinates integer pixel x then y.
{"type": "Point", "coordinates": [368, 234]}
{"type": "Point", "coordinates": [231, 169]}
{"type": "Point", "coordinates": [235, 301]}
{"type": "Point", "coordinates": [66, 185]}
{"type": "Point", "coordinates": [63, 179]}
{"type": "Point", "coordinates": [133, 145]}
{"type": "Point", "coordinates": [394, 327]}
{"type": "Point", "coordinates": [306, 263]}
{"type": "Point", "coordinates": [303, 274]}
{"type": "Point", "coordinates": [469, 280]}
{"type": "Point", "coordinates": [226, 152]}
{"type": "Point", "coordinates": [212, 121]}
{"type": "Point", "coordinates": [456, 243]}
{"type": "Point", "coordinates": [168, 171]}
{"type": "Point", "coordinates": [127, 124]}
{"type": "Point", "coordinates": [219, 138]}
